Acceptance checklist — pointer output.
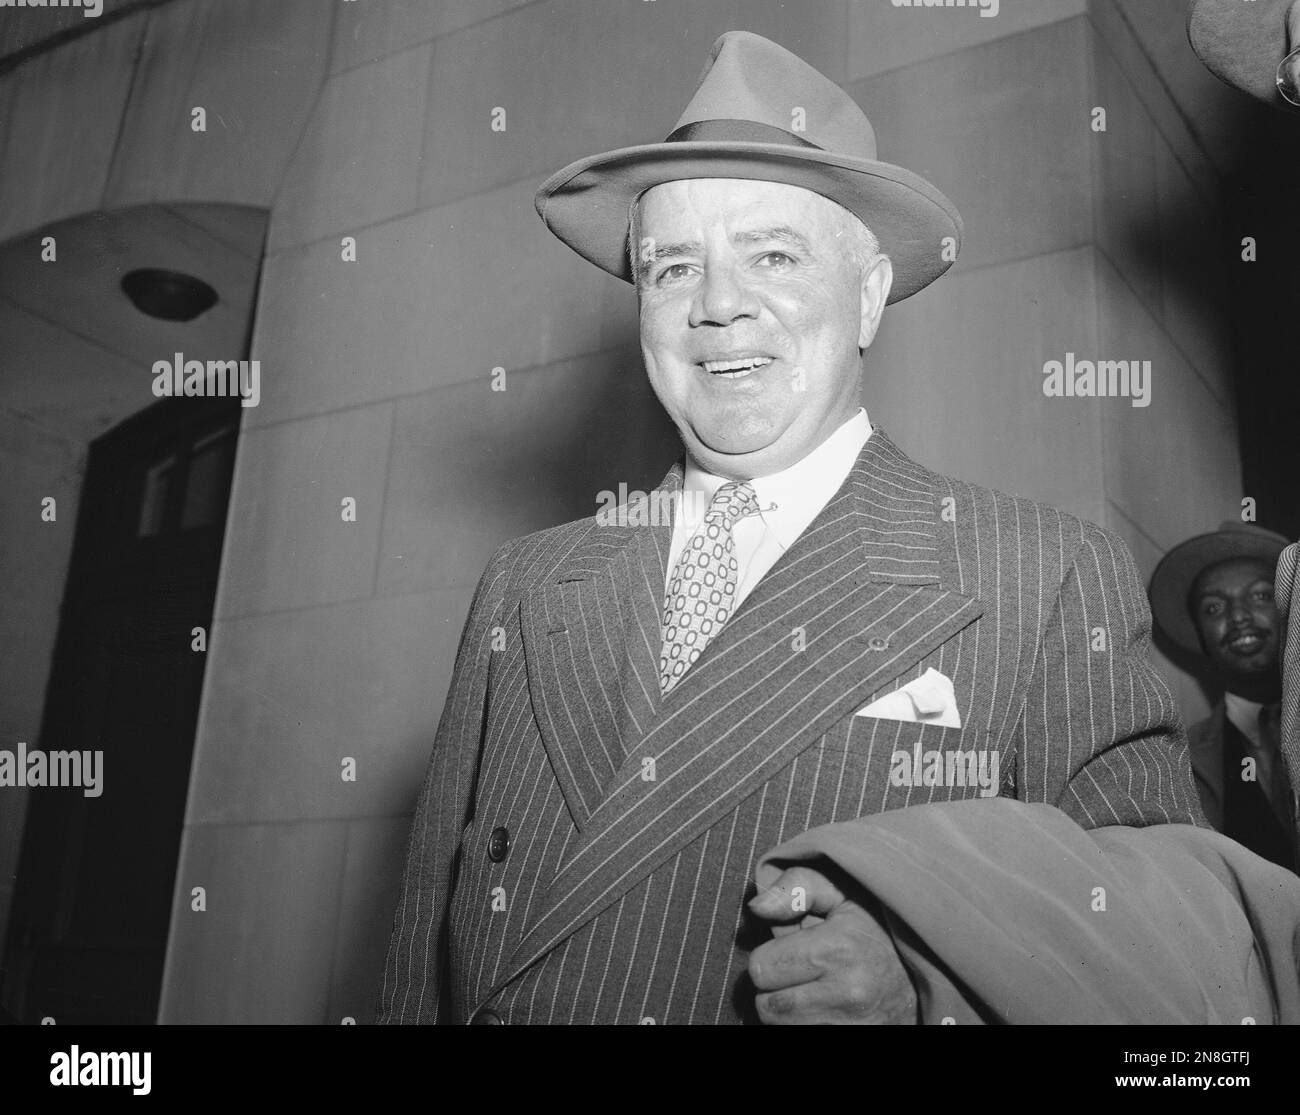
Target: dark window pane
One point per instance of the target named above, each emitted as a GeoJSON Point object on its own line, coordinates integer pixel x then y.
{"type": "Point", "coordinates": [205, 492]}
{"type": "Point", "coordinates": [153, 503]}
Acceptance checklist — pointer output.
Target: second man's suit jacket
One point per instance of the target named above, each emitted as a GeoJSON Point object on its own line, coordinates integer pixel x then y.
{"type": "Point", "coordinates": [582, 849]}
{"type": "Point", "coordinates": [1241, 811]}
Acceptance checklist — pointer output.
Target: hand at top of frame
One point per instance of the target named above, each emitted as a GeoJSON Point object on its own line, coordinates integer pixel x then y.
{"type": "Point", "coordinates": [830, 962]}
{"type": "Point", "coordinates": [1288, 74]}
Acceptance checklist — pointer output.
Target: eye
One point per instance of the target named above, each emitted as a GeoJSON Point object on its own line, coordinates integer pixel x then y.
{"type": "Point", "coordinates": [672, 273]}
{"type": "Point", "coordinates": [778, 261]}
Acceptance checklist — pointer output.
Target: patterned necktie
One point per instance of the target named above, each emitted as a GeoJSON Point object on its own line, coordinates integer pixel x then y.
{"type": "Point", "coordinates": [703, 585]}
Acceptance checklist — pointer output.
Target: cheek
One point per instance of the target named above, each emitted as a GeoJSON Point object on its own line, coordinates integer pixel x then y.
{"type": "Point", "coordinates": [656, 343]}
{"type": "Point", "coordinates": [663, 332]}
{"type": "Point", "coordinates": [648, 322]}
{"type": "Point", "coordinates": [818, 324]}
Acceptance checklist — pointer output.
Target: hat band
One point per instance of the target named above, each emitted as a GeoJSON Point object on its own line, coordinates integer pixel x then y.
{"type": "Point", "coordinates": [735, 131]}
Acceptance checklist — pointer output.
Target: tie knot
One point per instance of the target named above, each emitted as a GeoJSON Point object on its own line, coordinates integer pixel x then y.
{"type": "Point", "coordinates": [733, 502]}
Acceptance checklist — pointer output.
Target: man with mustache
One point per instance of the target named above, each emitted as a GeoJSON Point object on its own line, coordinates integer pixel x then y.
{"type": "Point", "coordinates": [1212, 596]}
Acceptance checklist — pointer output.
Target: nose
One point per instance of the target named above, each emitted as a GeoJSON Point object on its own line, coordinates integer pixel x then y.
{"type": "Point", "coordinates": [1240, 613]}
{"type": "Point", "coordinates": [722, 297]}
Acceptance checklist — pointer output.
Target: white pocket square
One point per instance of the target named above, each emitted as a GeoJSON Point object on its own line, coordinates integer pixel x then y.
{"type": "Point", "coordinates": [930, 699]}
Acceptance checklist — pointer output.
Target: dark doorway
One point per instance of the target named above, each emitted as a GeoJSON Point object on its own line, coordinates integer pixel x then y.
{"type": "Point", "coordinates": [89, 923]}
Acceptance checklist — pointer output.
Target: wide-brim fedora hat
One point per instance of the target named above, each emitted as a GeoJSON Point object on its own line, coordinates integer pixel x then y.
{"type": "Point", "coordinates": [1172, 581]}
{"type": "Point", "coordinates": [1242, 42]}
{"type": "Point", "coordinates": [739, 125]}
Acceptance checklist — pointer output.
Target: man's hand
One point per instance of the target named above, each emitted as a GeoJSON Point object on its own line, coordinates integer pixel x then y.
{"type": "Point", "coordinates": [830, 962]}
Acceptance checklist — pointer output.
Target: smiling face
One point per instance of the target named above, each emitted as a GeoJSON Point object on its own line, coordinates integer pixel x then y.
{"type": "Point", "coordinates": [1233, 608]}
{"type": "Point", "coordinates": [754, 312]}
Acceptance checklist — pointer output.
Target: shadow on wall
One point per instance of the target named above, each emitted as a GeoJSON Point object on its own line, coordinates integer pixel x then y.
{"type": "Point", "coordinates": [1264, 299]}
{"type": "Point", "coordinates": [1237, 264]}
{"type": "Point", "coordinates": [494, 465]}
{"type": "Point", "coordinates": [611, 430]}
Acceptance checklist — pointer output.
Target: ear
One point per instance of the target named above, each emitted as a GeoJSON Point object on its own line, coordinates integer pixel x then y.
{"type": "Point", "coordinates": [876, 281]}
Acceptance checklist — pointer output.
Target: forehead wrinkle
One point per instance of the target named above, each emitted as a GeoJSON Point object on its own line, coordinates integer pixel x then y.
{"type": "Point", "coordinates": [782, 234]}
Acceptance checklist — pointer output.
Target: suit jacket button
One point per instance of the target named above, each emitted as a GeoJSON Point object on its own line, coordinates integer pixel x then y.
{"type": "Point", "coordinates": [499, 844]}
{"type": "Point", "coordinates": [877, 643]}
{"type": "Point", "coordinates": [486, 1017]}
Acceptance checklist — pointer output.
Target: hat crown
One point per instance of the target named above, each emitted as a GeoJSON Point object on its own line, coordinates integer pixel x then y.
{"type": "Point", "coordinates": [760, 113]}
{"type": "Point", "coordinates": [750, 78]}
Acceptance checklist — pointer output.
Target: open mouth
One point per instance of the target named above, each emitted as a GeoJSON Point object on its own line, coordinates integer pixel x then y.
{"type": "Point", "coordinates": [737, 368]}
{"type": "Point", "coordinates": [1245, 642]}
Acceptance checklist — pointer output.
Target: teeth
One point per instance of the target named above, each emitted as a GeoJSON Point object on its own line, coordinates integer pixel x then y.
{"type": "Point", "coordinates": [744, 366]}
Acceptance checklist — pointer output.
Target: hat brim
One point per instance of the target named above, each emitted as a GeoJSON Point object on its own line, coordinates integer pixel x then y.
{"type": "Point", "coordinates": [588, 203]}
{"type": "Point", "coordinates": [1242, 44]}
{"type": "Point", "coordinates": [1178, 570]}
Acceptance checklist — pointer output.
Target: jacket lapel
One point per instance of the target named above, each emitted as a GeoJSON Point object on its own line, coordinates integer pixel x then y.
{"type": "Point", "coordinates": [591, 646]}
{"type": "Point", "coordinates": [852, 605]}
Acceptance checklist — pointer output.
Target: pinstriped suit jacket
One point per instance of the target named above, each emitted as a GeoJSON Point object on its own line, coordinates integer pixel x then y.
{"type": "Point", "coordinates": [635, 820]}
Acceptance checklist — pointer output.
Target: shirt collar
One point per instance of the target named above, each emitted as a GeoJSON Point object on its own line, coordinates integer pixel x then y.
{"type": "Point", "coordinates": [788, 500]}
{"type": "Point", "coordinates": [1243, 713]}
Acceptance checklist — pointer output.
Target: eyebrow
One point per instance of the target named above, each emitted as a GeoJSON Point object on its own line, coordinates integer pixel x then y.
{"type": "Point", "coordinates": [780, 234]}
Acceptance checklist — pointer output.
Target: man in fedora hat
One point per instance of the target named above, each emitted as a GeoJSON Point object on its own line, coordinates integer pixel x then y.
{"type": "Point", "coordinates": [835, 739]}
{"type": "Point", "coordinates": [1212, 597]}
{"type": "Point", "coordinates": [1253, 45]}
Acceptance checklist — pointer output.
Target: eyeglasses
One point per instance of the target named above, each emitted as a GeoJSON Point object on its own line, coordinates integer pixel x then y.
{"type": "Point", "coordinates": [1288, 77]}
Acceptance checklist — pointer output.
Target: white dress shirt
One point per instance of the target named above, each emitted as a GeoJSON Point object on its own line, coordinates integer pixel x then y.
{"type": "Point", "coordinates": [1244, 716]}
{"type": "Point", "coordinates": [788, 502]}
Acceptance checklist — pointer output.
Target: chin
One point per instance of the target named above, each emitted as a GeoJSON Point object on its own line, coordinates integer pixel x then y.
{"type": "Point", "coordinates": [742, 433]}
{"type": "Point", "coordinates": [1252, 669]}
{"type": "Point", "coordinates": [735, 446]}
